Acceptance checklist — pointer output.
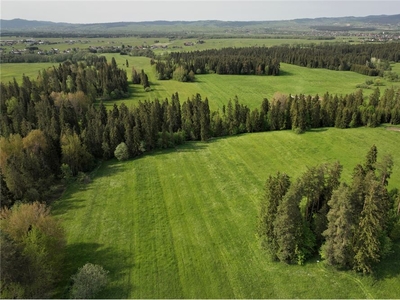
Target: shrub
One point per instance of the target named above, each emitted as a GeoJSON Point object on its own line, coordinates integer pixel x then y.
{"type": "Point", "coordinates": [121, 152]}
{"type": "Point", "coordinates": [88, 281]}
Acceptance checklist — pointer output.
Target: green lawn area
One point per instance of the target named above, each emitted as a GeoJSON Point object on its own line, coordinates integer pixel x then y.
{"type": "Point", "coordinates": [181, 223]}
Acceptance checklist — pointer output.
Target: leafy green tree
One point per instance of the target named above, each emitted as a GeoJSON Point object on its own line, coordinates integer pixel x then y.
{"type": "Point", "coordinates": [89, 281]}
{"type": "Point", "coordinates": [74, 153]}
{"type": "Point", "coordinates": [121, 152]}
{"type": "Point", "coordinates": [37, 240]}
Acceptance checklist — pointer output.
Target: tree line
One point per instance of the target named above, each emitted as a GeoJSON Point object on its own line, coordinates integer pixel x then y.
{"type": "Point", "coordinates": [352, 226]}
{"type": "Point", "coordinates": [366, 59]}
{"type": "Point", "coordinates": [234, 61]}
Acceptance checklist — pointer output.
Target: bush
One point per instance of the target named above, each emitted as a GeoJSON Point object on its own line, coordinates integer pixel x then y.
{"type": "Point", "coordinates": [32, 243]}
{"type": "Point", "coordinates": [121, 152]}
{"type": "Point", "coordinates": [88, 281]}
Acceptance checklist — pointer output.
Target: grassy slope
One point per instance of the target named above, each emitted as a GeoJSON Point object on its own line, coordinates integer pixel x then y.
{"type": "Point", "coordinates": [181, 223]}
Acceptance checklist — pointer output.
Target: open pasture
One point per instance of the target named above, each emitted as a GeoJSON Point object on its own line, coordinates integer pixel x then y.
{"type": "Point", "coordinates": [181, 223]}
{"type": "Point", "coordinates": [249, 89]}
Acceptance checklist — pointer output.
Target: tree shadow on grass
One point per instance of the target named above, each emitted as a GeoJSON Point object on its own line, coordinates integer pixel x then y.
{"type": "Point", "coordinates": [68, 201]}
{"type": "Point", "coordinates": [285, 73]}
{"type": "Point", "coordinates": [389, 267]}
{"type": "Point", "coordinates": [316, 130]}
{"type": "Point", "coordinates": [112, 260]}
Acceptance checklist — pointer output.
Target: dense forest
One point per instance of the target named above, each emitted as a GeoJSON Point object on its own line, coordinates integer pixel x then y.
{"type": "Point", "coordinates": [366, 59]}
{"type": "Point", "coordinates": [51, 127]}
{"type": "Point", "coordinates": [351, 225]}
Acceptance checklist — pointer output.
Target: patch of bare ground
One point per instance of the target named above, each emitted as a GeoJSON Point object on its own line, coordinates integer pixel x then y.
{"type": "Point", "coordinates": [393, 128]}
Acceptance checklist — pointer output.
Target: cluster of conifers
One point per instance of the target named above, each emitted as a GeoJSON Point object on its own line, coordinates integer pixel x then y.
{"type": "Point", "coordinates": [351, 226]}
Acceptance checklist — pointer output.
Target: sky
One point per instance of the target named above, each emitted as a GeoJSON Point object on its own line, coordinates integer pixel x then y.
{"type": "Point", "coordinates": [93, 11]}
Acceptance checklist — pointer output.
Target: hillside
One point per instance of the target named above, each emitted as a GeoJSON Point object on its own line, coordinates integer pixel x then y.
{"type": "Point", "coordinates": [388, 22]}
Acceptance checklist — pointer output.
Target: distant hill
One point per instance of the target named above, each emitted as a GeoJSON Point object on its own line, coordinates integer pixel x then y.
{"type": "Point", "coordinates": [27, 27]}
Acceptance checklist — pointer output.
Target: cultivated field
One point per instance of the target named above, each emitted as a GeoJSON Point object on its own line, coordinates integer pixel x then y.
{"type": "Point", "coordinates": [181, 223]}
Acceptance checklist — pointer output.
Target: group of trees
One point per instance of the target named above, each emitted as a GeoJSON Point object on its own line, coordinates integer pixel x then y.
{"type": "Point", "coordinates": [367, 59]}
{"type": "Point", "coordinates": [167, 70]}
{"type": "Point", "coordinates": [352, 226]}
{"type": "Point", "coordinates": [140, 78]}
{"type": "Point", "coordinates": [183, 66]}
{"type": "Point", "coordinates": [237, 61]}
{"type": "Point", "coordinates": [341, 57]}
{"type": "Point", "coordinates": [35, 58]}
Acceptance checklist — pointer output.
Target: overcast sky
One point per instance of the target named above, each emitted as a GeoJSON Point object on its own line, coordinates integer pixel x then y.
{"type": "Point", "coordinates": [93, 11]}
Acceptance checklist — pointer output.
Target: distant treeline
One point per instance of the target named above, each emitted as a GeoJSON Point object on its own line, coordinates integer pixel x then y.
{"type": "Point", "coordinates": [34, 57]}
{"type": "Point", "coordinates": [366, 59]}
{"type": "Point", "coordinates": [50, 128]}
{"type": "Point", "coordinates": [233, 61]}
{"type": "Point", "coordinates": [341, 28]}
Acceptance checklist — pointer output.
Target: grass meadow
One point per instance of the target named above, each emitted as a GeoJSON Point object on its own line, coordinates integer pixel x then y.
{"type": "Point", "coordinates": [181, 223]}
{"type": "Point", "coordinates": [249, 89]}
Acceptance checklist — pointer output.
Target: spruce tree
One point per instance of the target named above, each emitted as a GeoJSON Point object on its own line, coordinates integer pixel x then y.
{"type": "Point", "coordinates": [367, 246]}
{"type": "Point", "coordinates": [339, 235]}
{"type": "Point", "coordinates": [274, 191]}
{"type": "Point", "coordinates": [288, 225]}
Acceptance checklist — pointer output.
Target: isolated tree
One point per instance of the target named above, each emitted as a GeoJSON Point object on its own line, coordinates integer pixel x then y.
{"type": "Point", "coordinates": [88, 281]}
{"type": "Point", "coordinates": [121, 152]}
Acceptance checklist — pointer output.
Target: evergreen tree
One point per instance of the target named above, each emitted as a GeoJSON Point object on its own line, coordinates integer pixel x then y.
{"type": "Point", "coordinates": [274, 191]}
{"type": "Point", "coordinates": [368, 246]}
{"type": "Point", "coordinates": [337, 249]}
{"type": "Point", "coordinates": [288, 225]}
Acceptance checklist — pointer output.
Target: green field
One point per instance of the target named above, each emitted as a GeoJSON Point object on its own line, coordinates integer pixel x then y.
{"type": "Point", "coordinates": [249, 89]}
{"type": "Point", "coordinates": [181, 223]}
{"type": "Point", "coordinates": [173, 45]}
